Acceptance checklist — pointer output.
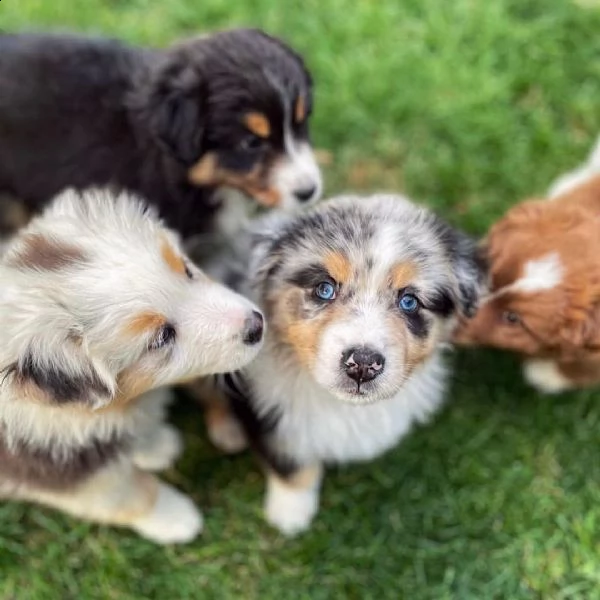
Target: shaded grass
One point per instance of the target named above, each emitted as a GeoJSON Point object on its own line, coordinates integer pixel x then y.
{"type": "Point", "coordinates": [469, 106]}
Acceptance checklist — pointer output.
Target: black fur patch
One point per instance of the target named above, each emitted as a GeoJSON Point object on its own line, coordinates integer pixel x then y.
{"type": "Point", "coordinates": [138, 118]}
{"type": "Point", "coordinates": [39, 468]}
{"type": "Point", "coordinates": [468, 261]}
{"type": "Point", "coordinates": [441, 303]}
{"type": "Point", "coordinates": [60, 386]}
{"type": "Point", "coordinates": [257, 427]}
{"type": "Point", "coordinates": [417, 324]}
{"type": "Point", "coordinates": [310, 276]}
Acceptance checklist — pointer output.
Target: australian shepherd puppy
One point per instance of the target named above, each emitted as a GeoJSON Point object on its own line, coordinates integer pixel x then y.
{"type": "Point", "coordinates": [360, 295]}
{"type": "Point", "coordinates": [182, 126]}
{"type": "Point", "coordinates": [99, 308]}
{"type": "Point", "coordinates": [545, 284]}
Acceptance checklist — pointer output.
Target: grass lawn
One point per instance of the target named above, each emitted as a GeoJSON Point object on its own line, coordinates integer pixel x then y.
{"type": "Point", "coordinates": [468, 105]}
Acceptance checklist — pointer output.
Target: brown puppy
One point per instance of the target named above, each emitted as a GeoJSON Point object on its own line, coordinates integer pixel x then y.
{"type": "Point", "coordinates": [545, 285]}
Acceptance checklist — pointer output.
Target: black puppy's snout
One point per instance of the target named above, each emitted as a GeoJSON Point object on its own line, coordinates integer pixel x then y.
{"type": "Point", "coordinates": [253, 328]}
{"type": "Point", "coordinates": [363, 364]}
{"type": "Point", "coordinates": [305, 194]}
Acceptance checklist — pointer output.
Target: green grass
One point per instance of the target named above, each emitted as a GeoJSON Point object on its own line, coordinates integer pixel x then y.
{"type": "Point", "coordinates": [468, 105]}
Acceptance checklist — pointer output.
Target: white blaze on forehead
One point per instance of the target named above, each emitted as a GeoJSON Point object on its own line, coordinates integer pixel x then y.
{"type": "Point", "coordinates": [540, 274]}
{"type": "Point", "coordinates": [299, 170]}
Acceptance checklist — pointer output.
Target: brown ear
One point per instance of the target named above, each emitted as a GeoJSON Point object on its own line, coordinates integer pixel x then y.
{"type": "Point", "coordinates": [518, 215]}
{"type": "Point", "coordinates": [581, 330]}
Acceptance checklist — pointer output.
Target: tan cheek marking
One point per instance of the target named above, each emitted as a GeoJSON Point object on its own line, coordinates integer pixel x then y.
{"type": "Point", "coordinates": [258, 124]}
{"type": "Point", "coordinates": [402, 275]}
{"type": "Point", "coordinates": [268, 198]}
{"type": "Point", "coordinates": [416, 350]}
{"type": "Point", "coordinates": [40, 252]}
{"type": "Point", "coordinates": [303, 335]}
{"type": "Point", "coordinates": [171, 257]}
{"type": "Point", "coordinates": [338, 266]}
{"type": "Point", "coordinates": [300, 110]}
{"type": "Point", "coordinates": [206, 172]}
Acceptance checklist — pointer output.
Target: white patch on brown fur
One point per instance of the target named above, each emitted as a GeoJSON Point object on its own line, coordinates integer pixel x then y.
{"type": "Point", "coordinates": [539, 274]}
{"type": "Point", "coordinates": [544, 375]}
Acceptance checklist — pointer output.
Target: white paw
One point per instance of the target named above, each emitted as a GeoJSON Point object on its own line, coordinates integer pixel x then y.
{"type": "Point", "coordinates": [160, 450]}
{"type": "Point", "coordinates": [173, 520]}
{"type": "Point", "coordinates": [545, 376]}
{"type": "Point", "coordinates": [290, 509]}
{"type": "Point", "coordinates": [227, 435]}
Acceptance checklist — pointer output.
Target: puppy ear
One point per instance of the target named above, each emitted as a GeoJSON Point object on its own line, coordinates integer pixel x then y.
{"type": "Point", "coordinates": [469, 268]}
{"type": "Point", "coordinates": [581, 330]}
{"type": "Point", "coordinates": [265, 243]}
{"type": "Point", "coordinates": [175, 110]}
{"type": "Point", "coordinates": [63, 371]}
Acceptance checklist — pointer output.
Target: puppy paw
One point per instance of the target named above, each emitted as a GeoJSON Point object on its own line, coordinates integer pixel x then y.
{"type": "Point", "coordinates": [545, 377]}
{"type": "Point", "coordinates": [173, 520]}
{"type": "Point", "coordinates": [160, 451]}
{"type": "Point", "coordinates": [290, 510]}
{"type": "Point", "coordinates": [227, 434]}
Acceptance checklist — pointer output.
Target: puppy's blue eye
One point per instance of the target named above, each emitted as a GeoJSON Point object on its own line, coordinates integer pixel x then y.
{"type": "Point", "coordinates": [408, 303]}
{"type": "Point", "coordinates": [325, 291]}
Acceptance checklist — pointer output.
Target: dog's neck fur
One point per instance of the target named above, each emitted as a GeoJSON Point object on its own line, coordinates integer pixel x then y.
{"type": "Point", "coordinates": [314, 426]}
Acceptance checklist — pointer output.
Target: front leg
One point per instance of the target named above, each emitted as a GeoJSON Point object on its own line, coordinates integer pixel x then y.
{"type": "Point", "coordinates": [224, 430]}
{"type": "Point", "coordinates": [158, 449]}
{"type": "Point", "coordinates": [121, 494]}
{"type": "Point", "coordinates": [292, 500]}
{"type": "Point", "coordinates": [156, 445]}
{"type": "Point", "coordinates": [292, 497]}
{"type": "Point", "coordinates": [546, 376]}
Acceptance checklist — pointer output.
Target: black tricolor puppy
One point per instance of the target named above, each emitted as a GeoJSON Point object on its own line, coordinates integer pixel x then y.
{"type": "Point", "coordinates": [225, 111]}
{"type": "Point", "coordinates": [360, 296]}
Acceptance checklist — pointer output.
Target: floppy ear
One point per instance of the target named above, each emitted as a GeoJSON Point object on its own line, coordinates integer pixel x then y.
{"type": "Point", "coordinates": [265, 240]}
{"type": "Point", "coordinates": [581, 330]}
{"type": "Point", "coordinates": [175, 110]}
{"type": "Point", "coordinates": [469, 268]}
{"type": "Point", "coordinates": [62, 370]}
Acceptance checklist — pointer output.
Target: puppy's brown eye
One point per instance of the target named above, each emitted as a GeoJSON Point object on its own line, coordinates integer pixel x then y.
{"type": "Point", "coordinates": [164, 337]}
{"type": "Point", "coordinates": [510, 317]}
{"type": "Point", "coordinates": [252, 143]}
{"type": "Point", "coordinates": [188, 272]}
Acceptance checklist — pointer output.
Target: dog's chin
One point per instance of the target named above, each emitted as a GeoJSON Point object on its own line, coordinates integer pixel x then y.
{"type": "Point", "coordinates": [366, 393]}
{"type": "Point", "coordinates": [230, 361]}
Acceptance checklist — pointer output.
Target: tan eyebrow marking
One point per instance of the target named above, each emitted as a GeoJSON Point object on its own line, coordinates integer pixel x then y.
{"type": "Point", "coordinates": [171, 257]}
{"type": "Point", "coordinates": [258, 124]}
{"type": "Point", "coordinates": [338, 266]}
{"type": "Point", "coordinates": [145, 322]}
{"type": "Point", "coordinates": [402, 274]}
{"type": "Point", "coordinates": [300, 110]}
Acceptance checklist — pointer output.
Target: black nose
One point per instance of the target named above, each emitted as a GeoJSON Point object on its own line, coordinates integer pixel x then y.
{"type": "Point", "coordinates": [362, 364]}
{"type": "Point", "coordinates": [253, 328]}
{"type": "Point", "coordinates": [305, 194]}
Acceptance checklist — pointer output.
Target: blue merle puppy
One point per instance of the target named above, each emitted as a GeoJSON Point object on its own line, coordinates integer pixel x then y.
{"type": "Point", "coordinates": [360, 296]}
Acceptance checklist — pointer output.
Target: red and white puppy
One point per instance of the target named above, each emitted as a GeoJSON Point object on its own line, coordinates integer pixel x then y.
{"type": "Point", "coordinates": [545, 284]}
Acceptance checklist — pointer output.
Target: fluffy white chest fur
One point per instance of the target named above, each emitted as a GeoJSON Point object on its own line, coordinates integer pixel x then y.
{"type": "Point", "coordinates": [315, 426]}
